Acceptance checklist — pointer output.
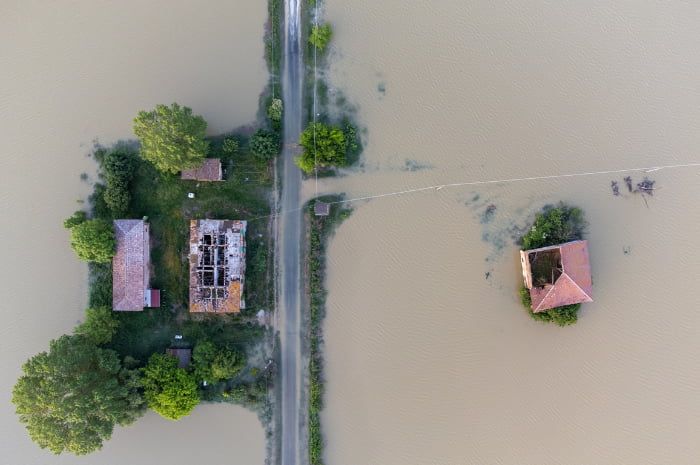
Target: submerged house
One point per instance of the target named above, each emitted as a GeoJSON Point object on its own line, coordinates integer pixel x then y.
{"type": "Point", "coordinates": [217, 265]}
{"type": "Point", "coordinates": [131, 267]}
{"type": "Point", "coordinates": [557, 275]}
{"type": "Point", "coordinates": [209, 171]}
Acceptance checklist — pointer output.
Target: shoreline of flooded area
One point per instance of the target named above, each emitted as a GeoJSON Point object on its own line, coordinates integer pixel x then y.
{"type": "Point", "coordinates": [429, 356]}
{"type": "Point", "coordinates": [75, 75]}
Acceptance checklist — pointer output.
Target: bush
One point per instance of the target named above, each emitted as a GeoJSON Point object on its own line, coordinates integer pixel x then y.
{"type": "Point", "coordinates": [274, 111]}
{"type": "Point", "coordinates": [93, 240]}
{"type": "Point", "coordinates": [265, 144]}
{"type": "Point", "coordinates": [320, 36]}
{"type": "Point", "coordinates": [230, 146]}
{"type": "Point", "coordinates": [555, 225]}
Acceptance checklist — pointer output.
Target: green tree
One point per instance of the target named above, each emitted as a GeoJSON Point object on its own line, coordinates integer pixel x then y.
{"type": "Point", "coordinates": [230, 146]}
{"type": "Point", "coordinates": [323, 146]}
{"type": "Point", "coordinates": [71, 397]}
{"type": "Point", "coordinates": [320, 36]}
{"type": "Point", "coordinates": [77, 218]}
{"type": "Point", "coordinates": [555, 225]}
{"type": "Point", "coordinates": [172, 138]}
{"type": "Point", "coordinates": [99, 325]}
{"type": "Point", "coordinates": [170, 390]}
{"type": "Point", "coordinates": [265, 144]}
{"type": "Point", "coordinates": [93, 240]}
{"type": "Point", "coordinates": [274, 111]}
{"type": "Point", "coordinates": [213, 364]}
{"type": "Point", "coordinates": [118, 166]}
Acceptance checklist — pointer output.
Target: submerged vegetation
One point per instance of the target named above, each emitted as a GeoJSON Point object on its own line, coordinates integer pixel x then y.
{"type": "Point", "coordinates": [331, 139]}
{"type": "Point", "coordinates": [555, 225]}
{"type": "Point", "coordinates": [121, 355]}
{"type": "Point", "coordinates": [320, 229]}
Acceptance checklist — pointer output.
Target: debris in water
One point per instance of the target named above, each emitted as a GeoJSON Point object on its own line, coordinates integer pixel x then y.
{"type": "Point", "coordinates": [628, 181]}
{"type": "Point", "coordinates": [615, 188]}
{"type": "Point", "coordinates": [646, 186]}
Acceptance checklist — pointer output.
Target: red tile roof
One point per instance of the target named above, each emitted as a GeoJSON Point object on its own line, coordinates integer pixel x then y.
{"type": "Point", "coordinates": [572, 287]}
{"type": "Point", "coordinates": [130, 265]}
{"type": "Point", "coordinates": [209, 171]}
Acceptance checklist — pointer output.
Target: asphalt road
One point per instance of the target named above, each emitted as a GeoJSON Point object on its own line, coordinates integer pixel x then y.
{"type": "Point", "coordinates": [289, 240]}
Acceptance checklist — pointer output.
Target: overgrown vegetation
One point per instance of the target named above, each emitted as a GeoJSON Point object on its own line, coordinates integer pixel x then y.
{"type": "Point", "coordinates": [172, 138]}
{"type": "Point", "coordinates": [320, 229]}
{"type": "Point", "coordinates": [328, 111]}
{"type": "Point", "coordinates": [555, 225]}
{"type": "Point", "coordinates": [561, 316]}
{"type": "Point", "coordinates": [320, 35]}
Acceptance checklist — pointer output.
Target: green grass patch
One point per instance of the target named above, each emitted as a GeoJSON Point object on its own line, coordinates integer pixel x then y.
{"type": "Point", "coordinates": [320, 229]}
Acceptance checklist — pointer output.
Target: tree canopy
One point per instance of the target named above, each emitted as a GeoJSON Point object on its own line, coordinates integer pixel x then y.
{"type": "Point", "coordinates": [93, 240]}
{"type": "Point", "coordinates": [265, 144]}
{"type": "Point", "coordinates": [99, 325]}
{"type": "Point", "coordinates": [118, 166]}
{"type": "Point", "coordinates": [77, 218]}
{"type": "Point", "coordinates": [320, 36]}
{"type": "Point", "coordinates": [213, 364]}
{"type": "Point", "coordinates": [323, 146]}
{"type": "Point", "coordinates": [169, 390]}
{"type": "Point", "coordinates": [172, 138]}
{"type": "Point", "coordinates": [555, 225]}
{"type": "Point", "coordinates": [71, 397]}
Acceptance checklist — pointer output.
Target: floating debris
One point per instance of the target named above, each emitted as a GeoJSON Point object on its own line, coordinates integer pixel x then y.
{"type": "Point", "coordinates": [615, 188]}
{"type": "Point", "coordinates": [646, 186]}
{"type": "Point", "coordinates": [628, 181]}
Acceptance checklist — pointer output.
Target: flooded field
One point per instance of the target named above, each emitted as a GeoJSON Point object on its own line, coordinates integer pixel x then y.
{"type": "Point", "coordinates": [78, 72]}
{"type": "Point", "coordinates": [430, 359]}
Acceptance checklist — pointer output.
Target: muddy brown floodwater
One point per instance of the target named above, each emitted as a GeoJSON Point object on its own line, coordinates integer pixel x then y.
{"type": "Point", "coordinates": [430, 359]}
{"type": "Point", "coordinates": [77, 71]}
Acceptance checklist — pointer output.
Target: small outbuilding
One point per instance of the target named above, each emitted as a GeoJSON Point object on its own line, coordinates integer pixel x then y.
{"type": "Point", "coordinates": [322, 208]}
{"type": "Point", "coordinates": [557, 275]}
{"type": "Point", "coordinates": [209, 171]}
{"type": "Point", "coordinates": [184, 356]}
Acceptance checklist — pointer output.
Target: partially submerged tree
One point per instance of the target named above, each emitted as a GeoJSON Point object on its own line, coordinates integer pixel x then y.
{"type": "Point", "coordinates": [72, 397]}
{"type": "Point", "coordinates": [265, 144]}
{"type": "Point", "coordinates": [172, 138]}
{"type": "Point", "coordinates": [320, 35]}
{"type": "Point", "coordinates": [118, 166]}
{"type": "Point", "coordinates": [169, 390]}
{"type": "Point", "coordinates": [99, 325]}
{"type": "Point", "coordinates": [93, 240]}
{"type": "Point", "coordinates": [555, 225]}
{"type": "Point", "coordinates": [274, 111]}
{"type": "Point", "coordinates": [77, 218]}
{"type": "Point", "coordinates": [213, 364]}
{"type": "Point", "coordinates": [323, 146]}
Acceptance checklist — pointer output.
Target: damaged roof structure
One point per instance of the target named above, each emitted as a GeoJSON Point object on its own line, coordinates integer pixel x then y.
{"type": "Point", "coordinates": [130, 265]}
{"type": "Point", "coordinates": [557, 275]}
{"type": "Point", "coordinates": [209, 171]}
{"type": "Point", "coordinates": [217, 265]}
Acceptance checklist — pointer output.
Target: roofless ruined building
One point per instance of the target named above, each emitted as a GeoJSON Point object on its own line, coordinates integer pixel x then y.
{"type": "Point", "coordinates": [217, 265]}
{"type": "Point", "coordinates": [131, 267]}
{"type": "Point", "coordinates": [557, 275]}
